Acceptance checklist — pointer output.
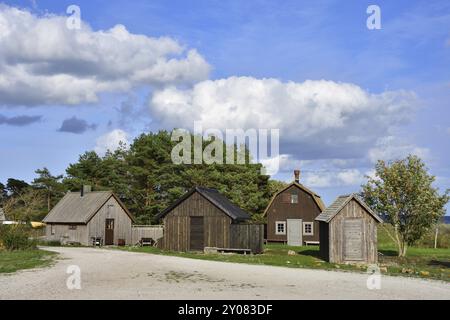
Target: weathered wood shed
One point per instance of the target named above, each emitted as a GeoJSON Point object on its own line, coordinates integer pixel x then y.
{"type": "Point", "coordinates": [79, 217]}
{"type": "Point", "coordinates": [205, 218]}
{"type": "Point", "coordinates": [348, 231]}
{"type": "Point", "coordinates": [291, 214]}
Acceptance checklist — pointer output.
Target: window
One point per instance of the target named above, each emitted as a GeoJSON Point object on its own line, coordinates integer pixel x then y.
{"type": "Point", "coordinates": [72, 227]}
{"type": "Point", "coordinates": [280, 227]}
{"type": "Point", "coordinates": [308, 228]}
{"type": "Point", "coordinates": [294, 198]}
{"type": "Point", "coordinates": [52, 230]}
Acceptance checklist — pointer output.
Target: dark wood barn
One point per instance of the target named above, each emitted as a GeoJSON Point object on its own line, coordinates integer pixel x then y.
{"type": "Point", "coordinates": [291, 214]}
{"type": "Point", "coordinates": [348, 231]}
{"type": "Point", "coordinates": [205, 218]}
{"type": "Point", "coordinates": [84, 217]}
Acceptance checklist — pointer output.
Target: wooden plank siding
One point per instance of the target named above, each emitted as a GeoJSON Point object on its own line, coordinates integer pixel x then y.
{"type": "Point", "coordinates": [122, 222]}
{"type": "Point", "coordinates": [281, 210]}
{"type": "Point", "coordinates": [354, 213]}
{"type": "Point", "coordinates": [177, 224]}
{"type": "Point", "coordinates": [139, 232]}
{"type": "Point", "coordinates": [63, 233]}
{"type": "Point", "coordinates": [247, 236]}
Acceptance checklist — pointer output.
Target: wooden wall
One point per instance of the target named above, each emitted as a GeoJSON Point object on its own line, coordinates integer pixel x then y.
{"type": "Point", "coordinates": [63, 234]}
{"type": "Point", "coordinates": [139, 232]}
{"type": "Point", "coordinates": [122, 222]}
{"type": "Point", "coordinates": [336, 241]}
{"type": "Point", "coordinates": [247, 236]}
{"type": "Point", "coordinates": [177, 224]}
{"type": "Point", "coordinates": [306, 209]}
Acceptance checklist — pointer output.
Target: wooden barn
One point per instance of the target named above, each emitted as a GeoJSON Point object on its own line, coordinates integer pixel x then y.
{"type": "Point", "coordinates": [291, 214]}
{"type": "Point", "coordinates": [89, 217]}
{"type": "Point", "coordinates": [348, 231]}
{"type": "Point", "coordinates": [205, 218]}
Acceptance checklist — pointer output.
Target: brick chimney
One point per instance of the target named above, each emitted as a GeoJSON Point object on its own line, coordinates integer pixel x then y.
{"type": "Point", "coordinates": [297, 176]}
{"type": "Point", "coordinates": [85, 189]}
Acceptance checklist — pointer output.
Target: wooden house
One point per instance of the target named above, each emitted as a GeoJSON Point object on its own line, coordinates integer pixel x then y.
{"type": "Point", "coordinates": [291, 213]}
{"type": "Point", "coordinates": [348, 231]}
{"type": "Point", "coordinates": [86, 217]}
{"type": "Point", "coordinates": [205, 218]}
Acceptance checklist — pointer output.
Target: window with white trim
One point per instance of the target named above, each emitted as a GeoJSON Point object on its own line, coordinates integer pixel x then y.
{"type": "Point", "coordinates": [280, 227]}
{"type": "Point", "coordinates": [52, 230]}
{"type": "Point", "coordinates": [308, 228]}
{"type": "Point", "coordinates": [294, 198]}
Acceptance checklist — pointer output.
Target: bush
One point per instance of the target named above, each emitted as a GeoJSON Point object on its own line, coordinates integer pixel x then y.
{"type": "Point", "coordinates": [16, 237]}
{"type": "Point", "coordinates": [50, 243]}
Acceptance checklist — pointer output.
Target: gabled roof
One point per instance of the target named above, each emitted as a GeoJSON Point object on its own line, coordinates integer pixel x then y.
{"type": "Point", "coordinates": [329, 213]}
{"type": "Point", "coordinates": [73, 208]}
{"type": "Point", "coordinates": [216, 198]}
{"type": "Point", "coordinates": [315, 196]}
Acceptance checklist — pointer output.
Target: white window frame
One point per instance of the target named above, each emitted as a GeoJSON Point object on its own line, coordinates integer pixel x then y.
{"type": "Point", "coordinates": [276, 227]}
{"type": "Point", "coordinates": [292, 198]}
{"type": "Point", "coordinates": [52, 230]}
{"type": "Point", "coordinates": [312, 229]}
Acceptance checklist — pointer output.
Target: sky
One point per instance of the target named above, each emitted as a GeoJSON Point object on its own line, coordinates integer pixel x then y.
{"type": "Point", "coordinates": [342, 95]}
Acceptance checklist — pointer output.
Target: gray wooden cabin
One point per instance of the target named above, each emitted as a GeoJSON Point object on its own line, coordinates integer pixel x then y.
{"type": "Point", "coordinates": [205, 218]}
{"type": "Point", "coordinates": [79, 217]}
{"type": "Point", "coordinates": [348, 231]}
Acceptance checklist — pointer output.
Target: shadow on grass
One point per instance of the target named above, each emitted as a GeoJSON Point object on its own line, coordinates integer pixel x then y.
{"type": "Point", "coordinates": [311, 253]}
{"type": "Point", "coordinates": [388, 253]}
{"type": "Point", "coordinates": [439, 263]}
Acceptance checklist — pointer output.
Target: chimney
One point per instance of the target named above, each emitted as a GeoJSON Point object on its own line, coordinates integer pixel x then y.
{"type": "Point", "coordinates": [297, 176]}
{"type": "Point", "coordinates": [85, 189]}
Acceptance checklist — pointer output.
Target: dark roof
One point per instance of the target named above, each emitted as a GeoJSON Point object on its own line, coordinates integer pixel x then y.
{"type": "Point", "coordinates": [217, 199]}
{"type": "Point", "coordinates": [73, 208]}
{"type": "Point", "coordinates": [329, 213]}
{"type": "Point", "coordinates": [317, 199]}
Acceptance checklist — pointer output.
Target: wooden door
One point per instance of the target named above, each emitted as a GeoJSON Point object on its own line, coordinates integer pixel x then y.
{"type": "Point", "coordinates": [197, 234]}
{"type": "Point", "coordinates": [109, 232]}
{"type": "Point", "coordinates": [353, 240]}
{"type": "Point", "coordinates": [294, 232]}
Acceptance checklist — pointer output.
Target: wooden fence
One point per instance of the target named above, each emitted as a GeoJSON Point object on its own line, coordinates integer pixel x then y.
{"type": "Point", "coordinates": [138, 232]}
{"type": "Point", "coordinates": [247, 236]}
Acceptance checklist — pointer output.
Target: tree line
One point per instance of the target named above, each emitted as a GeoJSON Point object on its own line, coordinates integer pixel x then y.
{"type": "Point", "coordinates": [145, 179]}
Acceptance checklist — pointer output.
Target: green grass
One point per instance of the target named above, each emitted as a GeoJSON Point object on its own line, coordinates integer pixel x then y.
{"type": "Point", "coordinates": [12, 261]}
{"type": "Point", "coordinates": [420, 261]}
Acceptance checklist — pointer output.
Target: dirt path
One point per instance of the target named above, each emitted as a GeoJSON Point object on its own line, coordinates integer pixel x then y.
{"type": "Point", "coordinates": [111, 274]}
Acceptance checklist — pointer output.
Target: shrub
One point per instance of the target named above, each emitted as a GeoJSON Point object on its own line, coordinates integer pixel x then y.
{"type": "Point", "coordinates": [16, 237]}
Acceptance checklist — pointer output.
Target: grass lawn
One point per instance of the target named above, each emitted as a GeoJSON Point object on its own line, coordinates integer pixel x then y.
{"type": "Point", "coordinates": [420, 262]}
{"type": "Point", "coordinates": [12, 261]}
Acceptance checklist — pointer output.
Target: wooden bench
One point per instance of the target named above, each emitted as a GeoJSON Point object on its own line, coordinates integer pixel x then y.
{"type": "Point", "coordinates": [234, 250]}
{"type": "Point", "coordinates": [312, 243]}
{"type": "Point", "coordinates": [146, 242]}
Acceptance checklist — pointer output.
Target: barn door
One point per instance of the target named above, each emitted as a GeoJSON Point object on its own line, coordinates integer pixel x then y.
{"type": "Point", "coordinates": [197, 234]}
{"type": "Point", "coordinates": [109, 232]}
{"type": "Point", "coordinates": [294, 232]}
{"type": "Point", "coordinates": [353, 240]}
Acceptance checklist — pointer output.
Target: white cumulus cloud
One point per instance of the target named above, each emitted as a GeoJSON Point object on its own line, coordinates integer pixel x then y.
{"type": "Point", "coordinates": [44, 62]}
{"type": "Point", "coordinates": [111, 141]}
{"type": "Point", "coordinates": [314, 117]}
{"type": "Point", "coordinates": [392, 148]}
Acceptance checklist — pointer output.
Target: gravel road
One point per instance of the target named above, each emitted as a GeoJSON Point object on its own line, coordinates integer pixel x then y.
{"type": "Point", "coordinates": [113, 274]}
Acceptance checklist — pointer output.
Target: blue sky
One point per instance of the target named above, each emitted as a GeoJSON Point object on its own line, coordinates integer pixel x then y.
{"type": "Point", "coordinates": [400, 73]}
